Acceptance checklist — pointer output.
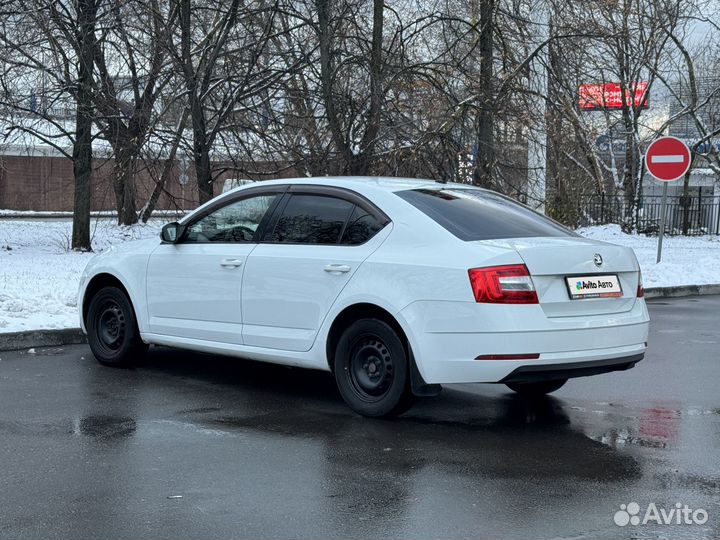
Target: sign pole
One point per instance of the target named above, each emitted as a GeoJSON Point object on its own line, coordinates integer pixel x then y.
{"type": "Point", "coordinates": [668, 159]}
{"type": "Point", "coordinates": [661, 232]}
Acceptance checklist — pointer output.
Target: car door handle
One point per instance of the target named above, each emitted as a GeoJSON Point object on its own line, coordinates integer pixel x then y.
{"type": "Point", "coordinates": [230, 263]}
{"type": "Point", "coordinates": [340, 268]}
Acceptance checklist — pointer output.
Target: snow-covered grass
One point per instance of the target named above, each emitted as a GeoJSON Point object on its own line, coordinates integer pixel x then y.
{"type": "Point", "coordinates": [39, 275]}
{"type": "Point", "coordinates": [686, 260]}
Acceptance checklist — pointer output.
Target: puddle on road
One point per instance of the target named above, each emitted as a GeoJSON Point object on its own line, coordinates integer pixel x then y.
{"type": "Point", "coordinates": [200, 410]}
{"type": "Point", "coordinates": [188, 427]}
{"type": "Point", "coordinates": [544, 442]}
{"type": "Point", "coordinates": [654, 427]}
{"type": "Point", "coordinates": [620, 437]}
{"type": "Point", "coordinates": [94, 426]}
{"type": "Point", "coordinates": [107, 427]}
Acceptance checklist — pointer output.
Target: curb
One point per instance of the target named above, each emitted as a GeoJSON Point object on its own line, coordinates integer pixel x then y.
{"type": "Point", "coordinates": [73, 336]}
{"type": "Point", "coordinates": [41, 338]}
{"type": "Point", "coordinates": [682, 290]}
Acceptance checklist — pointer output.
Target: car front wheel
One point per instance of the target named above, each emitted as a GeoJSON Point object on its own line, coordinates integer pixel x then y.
{"type": "Point", "coordinates": [112, 329]}
{"type": "Point", "coordinates": [536, 388]}
{"type": "Point", "coordinates": [371, 369]}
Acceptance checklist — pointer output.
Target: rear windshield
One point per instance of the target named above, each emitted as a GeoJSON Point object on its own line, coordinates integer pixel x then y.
{"type": "Point", "coordinates": [474, 214]}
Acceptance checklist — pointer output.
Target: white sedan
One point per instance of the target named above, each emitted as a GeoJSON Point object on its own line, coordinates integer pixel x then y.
{"type": "Point", "coordinates": [396, 286]}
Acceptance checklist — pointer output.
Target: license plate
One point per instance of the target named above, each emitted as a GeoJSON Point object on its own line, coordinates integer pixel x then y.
{"type": "Point", "coordinates": [607, 286]}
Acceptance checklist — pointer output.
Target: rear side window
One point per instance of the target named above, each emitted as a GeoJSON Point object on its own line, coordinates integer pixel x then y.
{"type": "Point", "coordinates": [361, 227]}
{"type": "Point", "coordinates": [473, 214]}
{"type": "Point", "coordinates": [312, 219]}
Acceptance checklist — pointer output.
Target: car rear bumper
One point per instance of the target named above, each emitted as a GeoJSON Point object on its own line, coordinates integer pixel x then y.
{"type": "Point", "coordinates": [560, 348]}
{"type": "Point", "coordinates": [548, 366]}
{"type": "Point", "coordinates": [547, 372]}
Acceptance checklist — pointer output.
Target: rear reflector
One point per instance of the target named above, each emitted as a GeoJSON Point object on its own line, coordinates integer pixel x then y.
{"type": "Point", "coordinates": [533, 356]}
{"type": "Point", "coordinates": [510, 284]}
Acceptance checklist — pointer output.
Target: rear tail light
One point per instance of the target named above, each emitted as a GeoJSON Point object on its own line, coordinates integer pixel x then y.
{"type": "Point", "coordinates": [640, 289]}
{"type": "Point", "coordinates": [509, 284]}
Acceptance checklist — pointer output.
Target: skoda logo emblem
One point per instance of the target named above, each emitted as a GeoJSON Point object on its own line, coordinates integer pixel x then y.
{"type": "Point", "coordinates": [598, 259]}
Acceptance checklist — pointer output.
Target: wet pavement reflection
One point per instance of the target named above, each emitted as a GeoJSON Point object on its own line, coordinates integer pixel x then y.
{"type": "Point", "coordinates": [190, 445]}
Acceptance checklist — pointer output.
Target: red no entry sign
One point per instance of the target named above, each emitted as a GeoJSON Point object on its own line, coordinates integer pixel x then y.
{"type": "Point", "coordinates": [667, 159]}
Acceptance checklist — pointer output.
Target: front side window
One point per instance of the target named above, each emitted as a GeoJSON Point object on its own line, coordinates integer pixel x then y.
{"type": "Point", "coordinates": [235, 222]}
{"type": "Point", "coordinates": [312, 219]}
{"type": "Point", "coordinates": [475, 214]}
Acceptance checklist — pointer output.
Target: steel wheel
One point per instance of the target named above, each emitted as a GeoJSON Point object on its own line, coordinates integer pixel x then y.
{"type": "Point", "coordinates": [113, 333]}
{"type": "Point", "coordinates": [110, 326]}
{"type": "Point", "coordinates": [371, 368]}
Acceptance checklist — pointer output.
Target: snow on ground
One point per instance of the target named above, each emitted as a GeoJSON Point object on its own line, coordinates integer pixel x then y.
{"type": "Point", "coordinates": [39, 275]}
{"type": "Point", "coordinates": [686, 260]}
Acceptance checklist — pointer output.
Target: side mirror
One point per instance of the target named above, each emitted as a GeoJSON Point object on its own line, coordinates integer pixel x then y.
{"type": "Point", "coordinates": [171, 232]}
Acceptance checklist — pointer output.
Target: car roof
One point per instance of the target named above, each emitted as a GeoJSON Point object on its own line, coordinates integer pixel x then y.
{"type": "Point", "coordinates": [384, 183]}
{"type": "Point", "coordinates": [368, 186]}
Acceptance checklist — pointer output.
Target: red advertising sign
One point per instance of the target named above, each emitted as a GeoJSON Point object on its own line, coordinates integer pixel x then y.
{"type": "Point", "coordinates": [610, 96]}
{"type": "Point", "coordinates": [667, 159]}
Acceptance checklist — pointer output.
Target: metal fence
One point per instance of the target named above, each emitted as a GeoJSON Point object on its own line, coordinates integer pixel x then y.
{"type": "Point", "coordinates": [703, 213]}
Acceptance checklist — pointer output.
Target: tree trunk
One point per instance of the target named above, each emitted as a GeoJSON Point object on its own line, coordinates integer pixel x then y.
{"type": "Point", "coordinates": [631, 170]}
{"type": "Point", "coordinates": [557, 202]}
{"type": "Point", "coordinates": [482, 174]}
{"type": "Point", "coordinates": [201, 150]}
{"type": "Point", "coordinates": [82, 147]}
{"type": "Point", "coordinates": [124, 181]}
{"type": "Point", "coordinates": [119, 190]}
{"type": "Point", "coordinates": [327, 74]}
{"type": "Point", "coordinates": [367, 147]}
{"type": "Point", "coordinates": [128, 214]}
{"type": "Point", "coordinates": [202, 167]}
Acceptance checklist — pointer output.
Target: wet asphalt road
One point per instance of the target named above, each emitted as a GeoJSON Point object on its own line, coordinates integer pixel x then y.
{"type": "Point", "coordinates": [198, 446]}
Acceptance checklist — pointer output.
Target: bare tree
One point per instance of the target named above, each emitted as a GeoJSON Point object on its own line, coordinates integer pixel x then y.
{"type": "Point", "coordinates": [221, 56]}
{"type": "Point", "coordinates": [130, 61]}
{"type": "Point", "coordinates": [84, 29]}
{"type": "Point", "coordinates": [692, 80]}
{"type": "Point", "coordinates": [632, 43]}
{"type": "Point", "coordinates": [47, 52]}
{"type": "Point", "coordinates": [260, 88]}
{"type": "Point", "coordinates": [352, 105]}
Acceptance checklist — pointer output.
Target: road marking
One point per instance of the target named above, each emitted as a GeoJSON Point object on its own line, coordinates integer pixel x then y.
{"type": "Point", "coordinates": [667, 159]}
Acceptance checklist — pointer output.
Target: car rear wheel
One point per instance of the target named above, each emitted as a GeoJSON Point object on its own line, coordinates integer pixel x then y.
{"type": "Point", "coordinates": [536, 388]}
{"type": "Point", "coordinates": [112, 329]}
{"type": "Point", "coordinates": [371, 369]}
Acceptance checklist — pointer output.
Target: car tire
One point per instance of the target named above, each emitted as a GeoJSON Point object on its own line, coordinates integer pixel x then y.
{"type": "Point", "coordinates": [112, 329]}
{"type": "Point", "coordinates": [539, 388]}
{"type": "Point", "coordinates": [371, 369]}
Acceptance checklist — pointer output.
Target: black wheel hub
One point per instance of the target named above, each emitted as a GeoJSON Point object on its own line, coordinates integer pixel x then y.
{"type": "Point", "coordinates": [371, 368]}
{"type": "Point", "coordinates": [111, 325]}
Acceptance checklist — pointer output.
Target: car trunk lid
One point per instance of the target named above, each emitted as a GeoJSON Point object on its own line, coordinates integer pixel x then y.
{"type": "Point", "coordinates": [551, 260]}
